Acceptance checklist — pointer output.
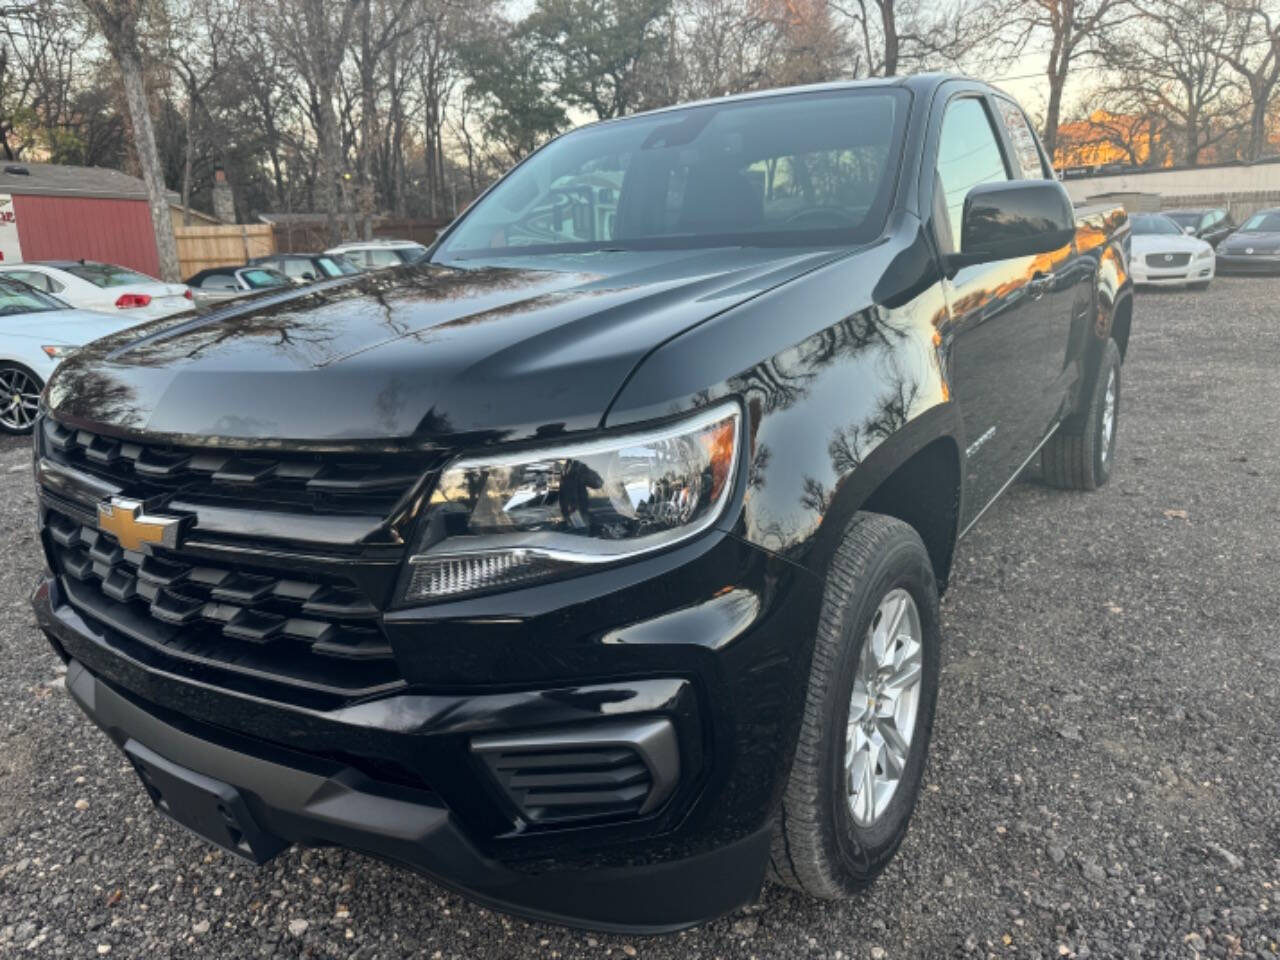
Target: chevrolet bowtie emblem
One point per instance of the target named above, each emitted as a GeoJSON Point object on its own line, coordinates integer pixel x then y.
{"type": "Point", "coordinates": [124, 520]}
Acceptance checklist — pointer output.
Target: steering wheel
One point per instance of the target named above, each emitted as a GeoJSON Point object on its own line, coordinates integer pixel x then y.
{"type": "Point", "coordinates": [833, 216]}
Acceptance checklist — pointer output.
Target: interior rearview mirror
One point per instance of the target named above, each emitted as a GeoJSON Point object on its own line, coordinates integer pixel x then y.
{"type": "Point", "coordinates": [1014, 218]}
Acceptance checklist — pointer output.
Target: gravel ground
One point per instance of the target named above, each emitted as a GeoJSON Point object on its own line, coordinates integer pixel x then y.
{"type": "Point", "coordinates": [1103, 779]}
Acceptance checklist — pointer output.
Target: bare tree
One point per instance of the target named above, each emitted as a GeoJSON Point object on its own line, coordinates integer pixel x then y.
{"type": "Point", "coordinates": [314, 36]}
{"type": "Point", "coordinates": [1172, 57]}
{"type": "Point", "coordinates": [1072, 29]}
{"type": "Point", "coordinates": [907, 35]}
{"type": "Point", "coordinates": [1253, 54]}
{"type": "Point", "coordinates": [123, 23]}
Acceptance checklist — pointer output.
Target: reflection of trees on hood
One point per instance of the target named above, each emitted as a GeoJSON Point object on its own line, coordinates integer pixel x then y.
{"type": "Point", "coordinates": [85, 390]}
{"type": "Point", "coordinates": [308, 322]}
{"type": "Point", "coordinates": [784, 379]}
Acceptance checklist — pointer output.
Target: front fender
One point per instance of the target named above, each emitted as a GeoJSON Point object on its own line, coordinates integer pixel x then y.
{"type": "Point", "coordinates": [839, 391]}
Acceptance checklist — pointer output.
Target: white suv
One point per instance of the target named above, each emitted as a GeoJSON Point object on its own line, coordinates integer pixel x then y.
{"type": "Point", "coordinates": [377, 254]}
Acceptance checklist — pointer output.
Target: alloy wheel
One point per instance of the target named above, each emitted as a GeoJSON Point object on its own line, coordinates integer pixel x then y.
{"type": "Point", "coordinates": [19, 398]}
{"type": "Point", "coordinates": [1108, 415]}
{"type": "Point", "coordinates": [883, 707]}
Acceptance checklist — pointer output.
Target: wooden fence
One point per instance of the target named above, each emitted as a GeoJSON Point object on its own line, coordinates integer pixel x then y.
{"type": "Point", "coordinates": [314, 237]}
{"type": "Point", "coordinates": [227, 245]}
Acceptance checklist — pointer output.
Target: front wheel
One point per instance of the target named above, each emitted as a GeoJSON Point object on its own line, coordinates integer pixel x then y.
{"type": "Point", "coordinates": [868, 713]}
{"type": "Point", "coordinates": [19, 398]}
{"type": "Point", "coordinates": [1201, 285]}
{"type": "Point", "coordinates": [1080, 454]}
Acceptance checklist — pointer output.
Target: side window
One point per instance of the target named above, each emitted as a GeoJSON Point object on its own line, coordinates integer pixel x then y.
{"type": "Point", "coordinates": [1026, 149]}
{"type": "Point", "coordinates": [383, 258]}
{"type": "Point", "coordinates": [31, 279]}
{"type": "Point", "coordinates": [968, 154]}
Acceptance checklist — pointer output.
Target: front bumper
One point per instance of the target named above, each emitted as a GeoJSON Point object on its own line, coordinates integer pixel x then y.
{"type": "Point", "coordinates": [297, 801]}
{"type": "Point", "coordinates": [1198, 271]}
{"type": "Point", "coordinates": [403, 777]}
{"type": "Point", "coordinates": [1248, 263]}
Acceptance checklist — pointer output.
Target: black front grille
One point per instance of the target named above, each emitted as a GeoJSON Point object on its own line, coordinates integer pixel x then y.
{"type": "Point", "coordinates": [276, 585]}
{"type": "Point", "coordinates": [1160, 260]}
{"type": "Point", "coordinates": [371, 484]}
{"type": "Point", "coordinates": [320, 634]}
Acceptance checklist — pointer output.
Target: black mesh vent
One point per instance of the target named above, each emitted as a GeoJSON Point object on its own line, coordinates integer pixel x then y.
{"type": "Point", "coordinates": [599, 771]}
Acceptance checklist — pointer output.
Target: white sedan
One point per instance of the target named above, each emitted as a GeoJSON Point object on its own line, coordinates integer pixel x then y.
{"type": "Point", "coordinates": [37, 333]}
{"type": "Point", "coordinates": [90, 285]}
{"type": "Point", "coordinates": [1163, 255]}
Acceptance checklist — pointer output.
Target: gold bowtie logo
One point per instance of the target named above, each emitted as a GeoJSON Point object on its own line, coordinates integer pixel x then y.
{"type": "Point", "coordinates": [125, 521]}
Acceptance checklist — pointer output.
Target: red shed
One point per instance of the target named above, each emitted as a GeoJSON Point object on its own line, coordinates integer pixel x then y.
{"type": "Point", "coordinates": [54, 212]}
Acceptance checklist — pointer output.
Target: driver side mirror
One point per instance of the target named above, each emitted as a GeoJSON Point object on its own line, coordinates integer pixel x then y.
{"type": "Point", "coordinates": [1014, 218]}
{"type": "Point", "coordinates": [1189, 231]}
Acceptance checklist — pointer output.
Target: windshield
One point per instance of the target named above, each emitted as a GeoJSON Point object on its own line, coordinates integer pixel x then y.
{"type": "Point", "coordinates": [107, 275]}
{"type": "Point", "coordinates": [1185, 219]}
{"type": "Point", "coordinates": [793, 169]}
{"type": "Point", "coordinates": [16, 297]}
{"type": "Point", "coordinates": [1263, 223]}
{"type": "Point", "coordinates": [336, 266]}
{"type": "Point", "coordinates": [261, 278]}
{"type": "Point", "coordinates": [1155, 223]}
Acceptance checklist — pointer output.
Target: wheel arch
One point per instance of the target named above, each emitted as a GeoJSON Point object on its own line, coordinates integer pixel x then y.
{"type": "Point", "coordinates": [915, 477]}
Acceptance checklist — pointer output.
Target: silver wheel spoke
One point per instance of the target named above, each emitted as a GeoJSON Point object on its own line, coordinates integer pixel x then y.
{"type": "Point", "coordinates": [906, 673]}
{"type": "Point", "coordinates": [896, 748]}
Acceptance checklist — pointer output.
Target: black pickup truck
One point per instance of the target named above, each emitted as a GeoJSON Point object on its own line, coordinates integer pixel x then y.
{"type": "Point", "coordinates": [591, 565]}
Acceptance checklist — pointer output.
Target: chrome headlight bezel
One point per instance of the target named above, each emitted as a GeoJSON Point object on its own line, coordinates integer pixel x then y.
{"type": "Point", "coordinates": [512, 519]}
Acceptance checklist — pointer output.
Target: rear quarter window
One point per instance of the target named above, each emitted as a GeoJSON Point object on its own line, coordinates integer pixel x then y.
{"type": "Point", "coordinates": [1025, 148]}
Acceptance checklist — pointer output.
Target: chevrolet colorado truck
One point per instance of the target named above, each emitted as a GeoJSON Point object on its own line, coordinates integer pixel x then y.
{"type": "Point", "coordinates": [591, 564]}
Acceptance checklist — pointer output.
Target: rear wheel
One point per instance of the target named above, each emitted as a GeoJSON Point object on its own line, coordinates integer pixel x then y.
{"type": "Point", "coordinates": [1080, 454]}
{"type": "Point", "coordinates": [19, 398]}
{"type": "Point", "coordinates": [868, 713]}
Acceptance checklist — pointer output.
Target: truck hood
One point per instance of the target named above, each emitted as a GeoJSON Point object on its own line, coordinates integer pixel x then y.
{"type": "Point", "coordinates": [502, 350]}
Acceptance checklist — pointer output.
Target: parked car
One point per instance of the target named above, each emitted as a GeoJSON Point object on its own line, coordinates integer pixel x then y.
{"type": "Point", "coordinates": [1163, 255]}
{"type": "Point", "coordinates": [37, 332]}
{"type": "Point", "coordinates": [1213, 224]}
{"type": "Point", "coordinates": [377, 254]}
{"type": "Point", "coordinates": [596, 575]}
{"type": "Point", "coordinates": [218, 284]}
{"type": "Point", "coordinates": [1255, 247]}
{"type": "Point", "coordinates": [90, 285]}
{"type": "Point", "coordinates": [308, 267]}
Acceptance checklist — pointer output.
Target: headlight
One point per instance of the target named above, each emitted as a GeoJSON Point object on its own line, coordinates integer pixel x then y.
{"type": "Point", "coordinates": [58, 351]}
{"type": "Point", "coordinates": [1205, 254]}
{"type": "Point", "coordinates": [498, 521]}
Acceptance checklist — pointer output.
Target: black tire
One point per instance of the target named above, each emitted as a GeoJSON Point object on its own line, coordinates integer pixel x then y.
{"type": "Point", "coordinates": [8, 371]}
{"type": "Point", "coordinates": [1076, 456]}
{"type": "Point", "coordinates": [818, 848]}
{"type": "Point", "coordinates": [1202, 285]}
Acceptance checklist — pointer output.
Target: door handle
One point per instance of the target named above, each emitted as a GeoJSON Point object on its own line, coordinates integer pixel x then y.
{"type": "Point", "coordinates": [1039, 284]}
